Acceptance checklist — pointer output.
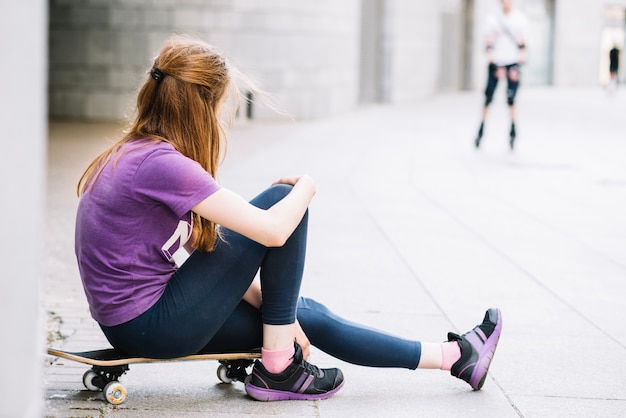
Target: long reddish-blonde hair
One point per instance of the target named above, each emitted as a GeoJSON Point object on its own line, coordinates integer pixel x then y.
{"type": "Point", "coordinates": [178, 104]}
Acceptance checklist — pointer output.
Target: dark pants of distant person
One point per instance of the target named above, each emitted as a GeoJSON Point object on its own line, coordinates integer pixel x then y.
{"type": "Point", "coordinates": [512, 83]}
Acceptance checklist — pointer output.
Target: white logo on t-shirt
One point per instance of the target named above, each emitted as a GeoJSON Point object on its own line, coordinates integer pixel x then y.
{"type": "Point", "coordinates": [176, 243]}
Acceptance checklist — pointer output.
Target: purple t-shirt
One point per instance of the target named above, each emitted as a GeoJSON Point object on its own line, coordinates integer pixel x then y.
{"type": "Point", "coordinates": [131, 226]}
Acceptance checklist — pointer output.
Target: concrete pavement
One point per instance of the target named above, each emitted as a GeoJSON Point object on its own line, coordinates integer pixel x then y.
{"type": "Point", "coordinates": [415, 232]}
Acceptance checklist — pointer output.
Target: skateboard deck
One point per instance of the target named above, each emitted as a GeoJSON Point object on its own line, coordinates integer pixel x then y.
{"type": "Point", "coordinates": [108, 366]}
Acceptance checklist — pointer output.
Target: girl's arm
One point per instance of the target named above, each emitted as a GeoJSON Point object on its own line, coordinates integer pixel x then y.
{"type": "Point", "coordinates": [271, 227]}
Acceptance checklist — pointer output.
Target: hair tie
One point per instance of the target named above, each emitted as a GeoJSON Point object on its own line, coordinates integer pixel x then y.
{"type": "Point", "coordinates": [157, 74]}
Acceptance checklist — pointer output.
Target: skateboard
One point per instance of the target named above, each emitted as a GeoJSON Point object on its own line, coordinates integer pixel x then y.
{"type": "Point", "coordinates": [109, 365]}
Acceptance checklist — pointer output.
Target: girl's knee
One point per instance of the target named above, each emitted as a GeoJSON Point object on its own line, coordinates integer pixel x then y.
{"type": "Point", "coordinates": [271, 195]}
{"type": "Point", "coordinates": [278, 192]}
{"type": "Point", "coordinates": [306, 303]}
{"type": "Point", "coordinates": [309, 307]}
{"type": "Point", "coordinates": [281, 190]}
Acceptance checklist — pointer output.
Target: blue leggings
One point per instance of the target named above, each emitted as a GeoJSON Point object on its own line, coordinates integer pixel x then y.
{"type": "Point", "coordinates": [202, 309]}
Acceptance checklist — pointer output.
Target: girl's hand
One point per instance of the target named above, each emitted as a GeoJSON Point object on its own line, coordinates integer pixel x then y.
{"type": "Point", "coordinates": [293, 180]}
{"type": "Point", "coordinates": [304, 182]}
{"type": "Point", "coordinates": [302, 339]}
{"type": "Point", "coordinates": [286, 180]}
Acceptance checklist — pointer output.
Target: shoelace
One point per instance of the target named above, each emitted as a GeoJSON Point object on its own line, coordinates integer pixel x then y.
{"type": "Point", "coordinates": [311, 368]}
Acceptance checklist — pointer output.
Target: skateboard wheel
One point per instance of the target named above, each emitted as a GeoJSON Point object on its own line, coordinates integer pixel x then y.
{"type": "Point", "coordinates": [222, 374]}
{"type": "Point", "coordinates": [88, 380]}
{"type": "Point", "coordinates": [115, 393]}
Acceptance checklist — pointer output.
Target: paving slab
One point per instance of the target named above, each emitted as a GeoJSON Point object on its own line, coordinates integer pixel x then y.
{"type": "Point", "coordinates": [416, 232]}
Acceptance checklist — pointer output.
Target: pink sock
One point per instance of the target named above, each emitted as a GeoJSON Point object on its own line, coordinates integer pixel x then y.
{"type": "Point", "coordinates": [451, 352]}
{"type": "Point", "coordinates": [276, 361]}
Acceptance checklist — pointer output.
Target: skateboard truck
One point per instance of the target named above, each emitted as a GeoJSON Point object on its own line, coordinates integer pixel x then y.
{"type": "Point", "coordinates": [106, 379]}
{"type": "Point", "coordinates": [230, 371]}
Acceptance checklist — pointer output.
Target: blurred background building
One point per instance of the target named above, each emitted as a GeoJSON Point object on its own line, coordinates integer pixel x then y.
{"type": "Point", "coordinates": [319, 58]}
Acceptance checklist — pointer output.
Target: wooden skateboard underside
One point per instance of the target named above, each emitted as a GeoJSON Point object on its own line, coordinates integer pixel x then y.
{"type": "Point", "coordinates": [110, 357]}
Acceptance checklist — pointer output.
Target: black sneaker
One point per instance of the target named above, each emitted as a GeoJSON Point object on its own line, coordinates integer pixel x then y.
{"type": "Point", "coordinates": [477, 349]}
{"type": "Point", "coordinates": [300, 381]}
{"type": "Point", "coordinates": [479, 136]}
{"type": "Point", "coordinates": [512, 136]}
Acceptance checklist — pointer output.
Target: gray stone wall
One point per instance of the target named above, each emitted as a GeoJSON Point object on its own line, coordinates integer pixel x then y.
{"type": "Point", "coordinates": [410, 49]}
{"type": "Point", "coordinates": [422, 44]}
{"type": "Point", "coordinates": [304, 53]}
{"type": "Point", "coordinates": [308, 55]}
